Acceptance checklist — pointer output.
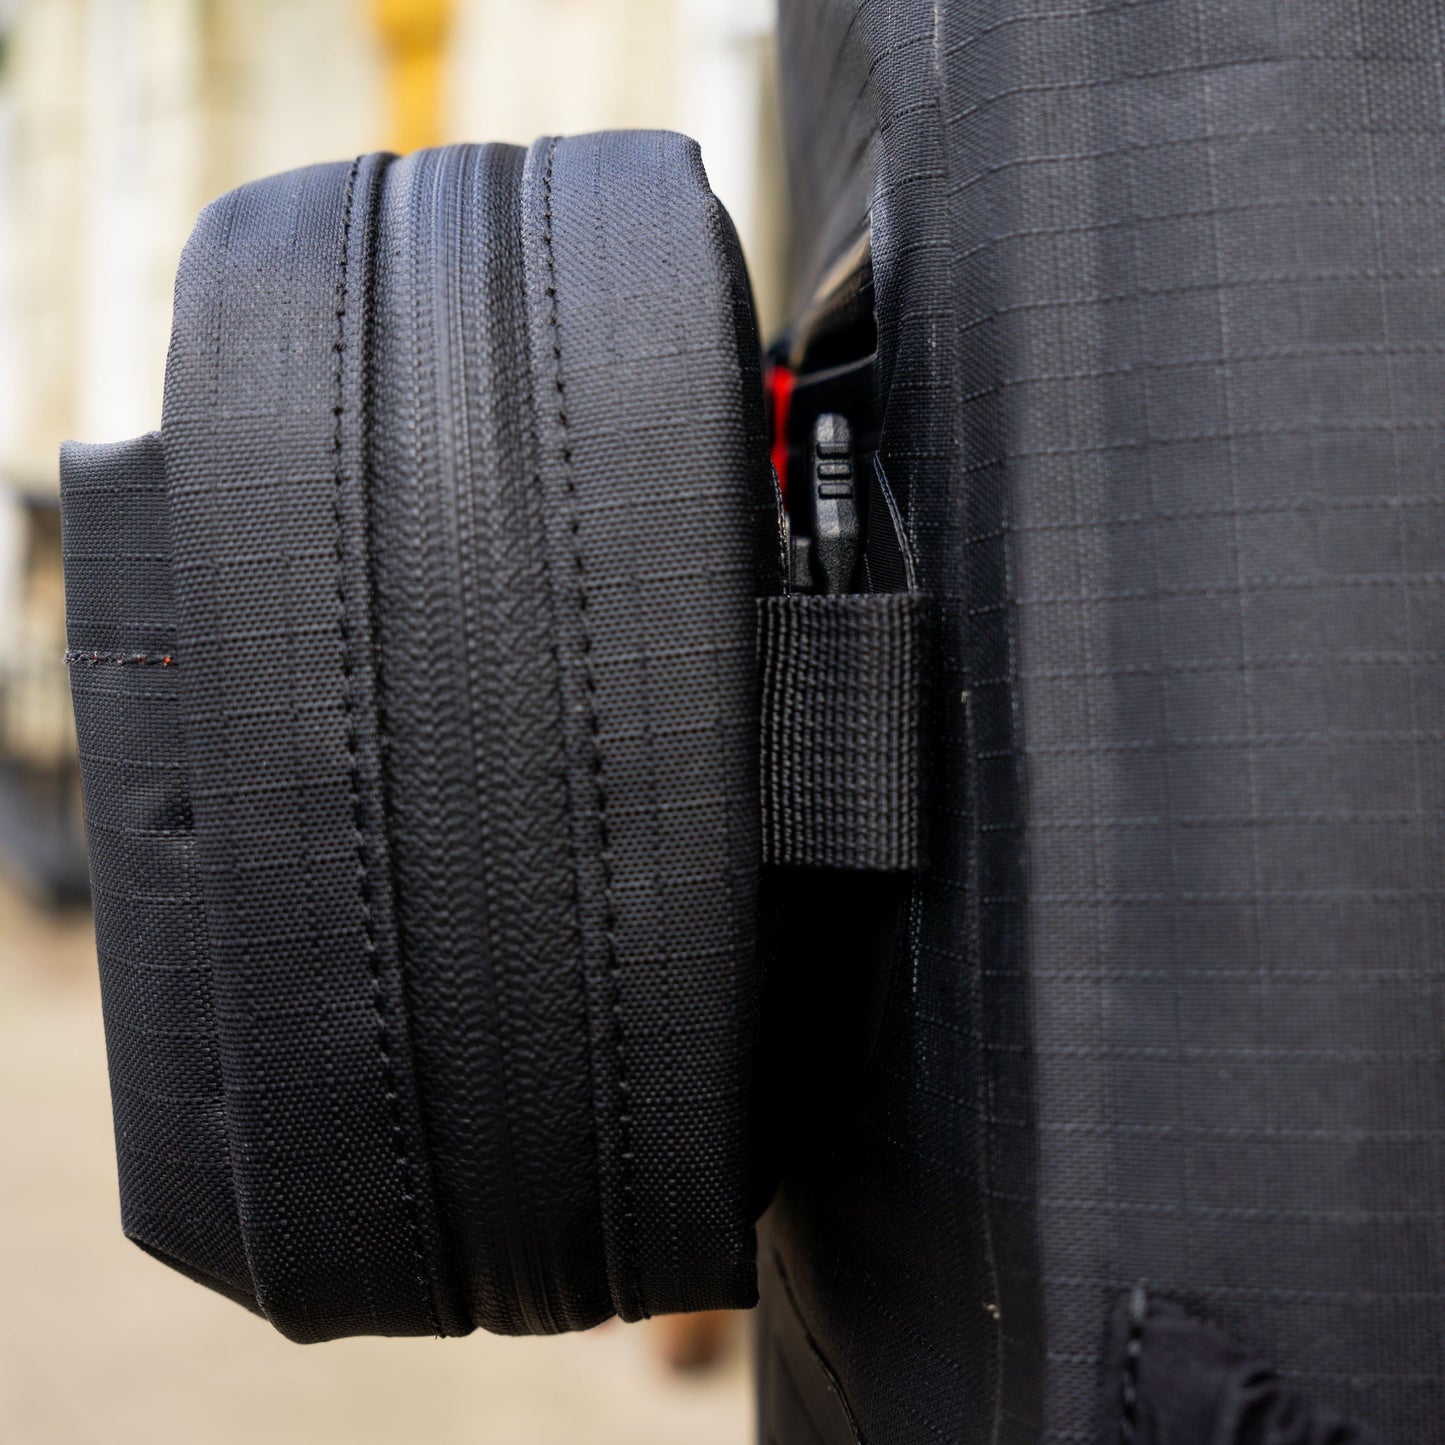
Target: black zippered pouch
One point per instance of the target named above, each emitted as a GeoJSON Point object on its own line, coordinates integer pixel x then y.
{"type": "Point", "coordinates": [415, 679]}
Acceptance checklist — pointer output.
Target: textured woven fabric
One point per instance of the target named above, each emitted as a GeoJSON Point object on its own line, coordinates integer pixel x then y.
{"type": "Point", "coordinates": [1160, 315]}
{"type": "Point", "coordinates": [841, 682]}
{"type": "Point", "coordinates": [263, 435]}
{"type": "Point", "coordinates": [453, 543]}
{"type": "Point", "coordinates": [1172, 1380]}
{"type": "Point", "coordinates": [478, 798]}
{"type": "Point", "coordinates": [661, 530]}
{"type": "Point", "coordinates": [172, 1148]}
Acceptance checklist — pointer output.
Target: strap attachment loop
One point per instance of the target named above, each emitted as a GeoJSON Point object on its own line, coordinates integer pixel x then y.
{"type": "Point", "coordinates": [841, 728]}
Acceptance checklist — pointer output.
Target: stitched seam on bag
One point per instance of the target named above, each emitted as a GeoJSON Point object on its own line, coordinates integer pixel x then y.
{"type": "Point", "coordinates": [1129, 1376]}
{"type": "Point", "coordinates": [835, 1384]}
{"type": "Point", "coordinates": [119, 659]}
{"type": "Point", "coordinates": [379, 1007]}
{"type": "Point", "coordinates": [619, 1050]}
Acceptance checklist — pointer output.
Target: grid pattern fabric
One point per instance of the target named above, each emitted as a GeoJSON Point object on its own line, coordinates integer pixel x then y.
{"type": "Point", "coordinates": [172, 1151]}
{"type": "Point", "coordinates": [436, 609]}
{"type": "Point", "coordinates": [265, 492]}
{"type": "Point", "coordinates": [661, 532]}
{"type": "Point", "coordinates": [1173, 1005]}
{"type": "Point", "coordinates": [882, 1221]}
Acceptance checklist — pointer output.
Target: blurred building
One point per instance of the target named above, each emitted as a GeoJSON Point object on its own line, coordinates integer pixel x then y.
{"type": "Point", "coordinates": [120, 119]}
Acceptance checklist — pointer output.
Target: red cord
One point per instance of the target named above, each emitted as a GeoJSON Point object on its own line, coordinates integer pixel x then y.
{"type": "Point", "coordinates": [780, 390]}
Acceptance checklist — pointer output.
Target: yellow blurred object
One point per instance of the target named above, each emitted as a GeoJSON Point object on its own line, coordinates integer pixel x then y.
{"type": "Point", "coordinates": [414, 35]}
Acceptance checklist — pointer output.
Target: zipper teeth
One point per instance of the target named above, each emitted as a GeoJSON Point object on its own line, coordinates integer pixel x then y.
{"type": "Point", "coordinates": [458, 301]}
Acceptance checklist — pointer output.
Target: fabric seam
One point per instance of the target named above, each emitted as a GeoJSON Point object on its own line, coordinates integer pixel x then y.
{"type": "Point", "coordinates": [373, 958]}
{"type": "Point", "coordinates": [834, 1382]}
{"type": "Point", "coordinates": [119, 659]}
{"type": "Point", "coordinates": [1128, 1412]}
{"type": "Point", "coordinates": [619, 1050]}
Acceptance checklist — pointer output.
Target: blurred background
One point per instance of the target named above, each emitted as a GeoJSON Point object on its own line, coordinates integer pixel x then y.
{"type": "Point", "coordinates": [119, 120]}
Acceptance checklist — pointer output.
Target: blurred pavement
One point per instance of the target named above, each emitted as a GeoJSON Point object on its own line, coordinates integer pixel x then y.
{"type": "Point", "coordinates": [98, 1343]}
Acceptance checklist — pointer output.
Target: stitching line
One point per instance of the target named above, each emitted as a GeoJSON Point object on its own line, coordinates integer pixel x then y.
{"type": "Point", "coordinates": [819, 1358]}
{"type": "Point", "coordinates": [119, 659]}
{"type": "Point", "coordinates": [619, 1050]}
{"type": "Point", "coordinates": [373, 958]}
{"type": "Point", "coordinates": [1133, 1353]}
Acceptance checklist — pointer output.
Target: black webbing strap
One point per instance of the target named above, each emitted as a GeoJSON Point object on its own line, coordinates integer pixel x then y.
{"type": "Point", "coordinates": [841, 713]}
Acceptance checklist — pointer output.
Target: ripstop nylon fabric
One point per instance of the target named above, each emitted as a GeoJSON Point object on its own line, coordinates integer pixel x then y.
{"type": "Point", "coordinates": [656, 579]}
{"type": "Point", "coordinates": [172, 1148]}
{"type": "Point", "coordinates": [1172, 1380]}
{"type": "Point", "coordinates": [264, 437]}
{"type": "Point", "coordinates": [453, 536]}
{"type": "Point", "coordinates": [1161, 300]}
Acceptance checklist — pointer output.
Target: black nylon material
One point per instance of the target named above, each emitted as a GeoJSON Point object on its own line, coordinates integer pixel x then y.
{"type": "Point", "coordinates": [1170, 1379]}
{"type": "Point", "coordinates": [842, 698]}
{"type": "Point", "coordinates": [654, 586]}
{"type": "Point", "coordinates": [1160, 308]}
{"type": "Point", "coordinates": [263, 433]}
{"type": "Point", "coordinates": [172, 1147]}
{"type": "Point", "coordinates": [466, 509]}
{"type": "Point", "coordinates": [476, 778]}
